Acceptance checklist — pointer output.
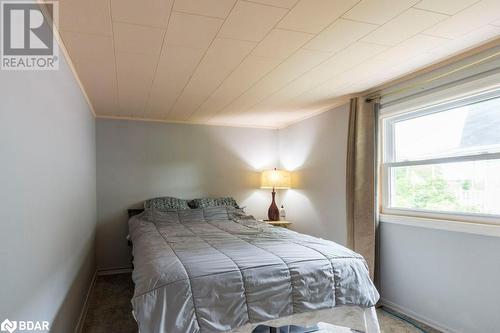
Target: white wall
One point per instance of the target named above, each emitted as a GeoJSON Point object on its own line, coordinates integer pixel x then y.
{"type": "Point", "coordinates": [141, 160]}
{"type": "Point", "coordinates": [48, 196]}
{"type": "Point", "coordinates": [316, 150]}
{"type": "Point", "coordinates": [450, 279]}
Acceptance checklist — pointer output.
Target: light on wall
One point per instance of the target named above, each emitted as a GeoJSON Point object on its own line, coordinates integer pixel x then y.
{"type": "Point", "coordinates": [277, 180]}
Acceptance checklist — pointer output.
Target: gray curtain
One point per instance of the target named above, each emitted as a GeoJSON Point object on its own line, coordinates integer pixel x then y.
{"type": "Point", "coordinates": [361, 179]}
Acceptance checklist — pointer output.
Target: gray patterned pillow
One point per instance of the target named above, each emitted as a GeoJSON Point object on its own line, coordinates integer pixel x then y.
{"type": "Point", "coordinates": [213, 202]}
{"type": "Point", "coordinates": [166, 203]}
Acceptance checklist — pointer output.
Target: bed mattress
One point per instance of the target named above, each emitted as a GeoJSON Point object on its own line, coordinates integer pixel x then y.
{"type": "Point", "coordinates": [214, 270]}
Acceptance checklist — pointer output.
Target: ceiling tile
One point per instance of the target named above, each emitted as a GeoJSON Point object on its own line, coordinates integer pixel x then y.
{"type": "Point", "coordinates": [192, 30]}
{"type": "Point", "coordinates": [175, 67]}
{"type": "Point", "coordinates": [137, 38]}
{"type": "Point", "coordinates": [135, 74]}
{"type": "Point", "coordinates": [276, 117]}
{"type": "Point", "coordinates": [277, 3]}
{"type": "Point", "coordinates": [472, 18]}
{"type": "Point", "coordinates": [223, 56]}
{"type": "Point", "coordinates": [214, 8]}
{"type": "Point", "coordinates": [344, 83]}
{"type": "Point", "coordinates": [87, 47]}
{"type": "Point", "coordinates": [293, 67]}
{"type": "Point", "coordinates": [314, 15]}
{"type": "Point", "coordinates": [339, 35]}
{"type": "Point", "coordinates": [412, 47]}
{"type": "Point", "coordinates": [404, 26]}
{"type": "Point", "coordinates": [371, 72]}
{"type": "Point", "coordinates": [346, 59]}
{"type": "Point", "coordinates": [467, 41]}
{"type": "Point", "coordinates": [146, 12]}
{"type": "Point", "coordinates": [293, 116]}
{"type": "Point", "coordinates": [99, 80]}
{"type": "Point", "coordinates": [91, 16]}
{"type": "Point", "coordinates": [340, 62]}
{"type": "Point", "coordinates": [248, 72]}
{"type": "Point", "coordinates": [94, 61]}
{"type": "Point", "coordinates": [411, 65]}
{"type": "Point", "coordinates": [281, 43]}
{"type": "Point", "coordinates": [250, 21]}
{"type": "Point", "coordinates": [281, 60]}
{"type": "Point", "coordinates": [450, 7]}
{"type": "Point", "coordinates": [378, 11]}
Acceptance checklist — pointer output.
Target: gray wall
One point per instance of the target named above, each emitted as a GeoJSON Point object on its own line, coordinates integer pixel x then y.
{"type": "Point", "coordinates": [316, 149]}
{"type": "Point", "coordinates": [449, 279]}
{"type": "Point", "coordinates": [141, 160]}
{"type": "Point", "coordinates": [48, 196]}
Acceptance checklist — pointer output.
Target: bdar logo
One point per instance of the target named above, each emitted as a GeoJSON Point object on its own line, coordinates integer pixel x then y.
{"type": "Point", "coordinates": [8, 325]}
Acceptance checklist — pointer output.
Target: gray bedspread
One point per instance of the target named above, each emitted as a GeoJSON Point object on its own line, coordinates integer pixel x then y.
{"type": "Point", "coordinates": [213, 270]}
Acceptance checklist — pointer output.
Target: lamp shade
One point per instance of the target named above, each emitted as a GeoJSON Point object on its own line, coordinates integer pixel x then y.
{"type": "Point", "coordinates": [278, 179]}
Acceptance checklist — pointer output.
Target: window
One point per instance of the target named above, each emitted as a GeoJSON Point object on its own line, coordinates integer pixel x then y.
{"type": "Point", "coordinates": [443, 159]}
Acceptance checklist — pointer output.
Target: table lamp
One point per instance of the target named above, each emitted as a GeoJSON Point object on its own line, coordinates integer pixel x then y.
{"type": "Point", "coordinates": [277, 180]}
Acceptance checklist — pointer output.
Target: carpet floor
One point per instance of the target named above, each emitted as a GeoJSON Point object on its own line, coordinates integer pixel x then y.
{"type": "Point", "coordinates": [109, 311]}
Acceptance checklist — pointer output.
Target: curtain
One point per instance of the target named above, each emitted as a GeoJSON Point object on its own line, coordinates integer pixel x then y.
{"type": "Point", "coordinates": [361, 179]}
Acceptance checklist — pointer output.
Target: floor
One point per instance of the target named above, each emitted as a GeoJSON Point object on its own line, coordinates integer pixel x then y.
{"type": "Point", "coordinates": [110, 311]}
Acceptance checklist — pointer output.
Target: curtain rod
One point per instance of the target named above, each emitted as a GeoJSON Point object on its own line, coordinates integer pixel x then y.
{"type": "Point", "coordinates": [378, 94]}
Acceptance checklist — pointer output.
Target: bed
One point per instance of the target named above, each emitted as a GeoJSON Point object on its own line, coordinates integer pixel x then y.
{"type": "Point", "coordinates": [217, 270]}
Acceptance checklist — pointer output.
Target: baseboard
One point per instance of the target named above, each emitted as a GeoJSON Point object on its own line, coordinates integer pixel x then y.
{"type": "Point", "coordinates": [416, 316]}
{"type": "Point", "coordinates": [83, 313]}
{"type": "Point", "coordinates": [112, 271]}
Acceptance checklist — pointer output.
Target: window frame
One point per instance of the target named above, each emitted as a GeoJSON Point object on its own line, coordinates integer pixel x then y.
{"type": "Point", "coordinates": [387, 163]}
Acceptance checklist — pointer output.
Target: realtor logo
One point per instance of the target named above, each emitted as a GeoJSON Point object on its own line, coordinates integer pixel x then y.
{"type": "Point", "coordinates": [8, 325]}
{"type": "Point", "coordinates": [27, 38]}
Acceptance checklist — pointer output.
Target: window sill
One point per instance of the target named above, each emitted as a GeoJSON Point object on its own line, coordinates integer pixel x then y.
{"type": "Point", "coordinates": [440, 224]}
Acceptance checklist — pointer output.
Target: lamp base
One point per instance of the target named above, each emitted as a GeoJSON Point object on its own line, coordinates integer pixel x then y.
{"type": "Point", "coordinates": [273, 213]}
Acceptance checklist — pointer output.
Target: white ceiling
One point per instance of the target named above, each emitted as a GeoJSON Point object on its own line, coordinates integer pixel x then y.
{"type": "Point", "coordinates": [257, 63]}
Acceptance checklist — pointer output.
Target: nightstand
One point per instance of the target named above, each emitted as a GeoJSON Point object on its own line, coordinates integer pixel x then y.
{"type": "Point", "coordinates": [283, 224]}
